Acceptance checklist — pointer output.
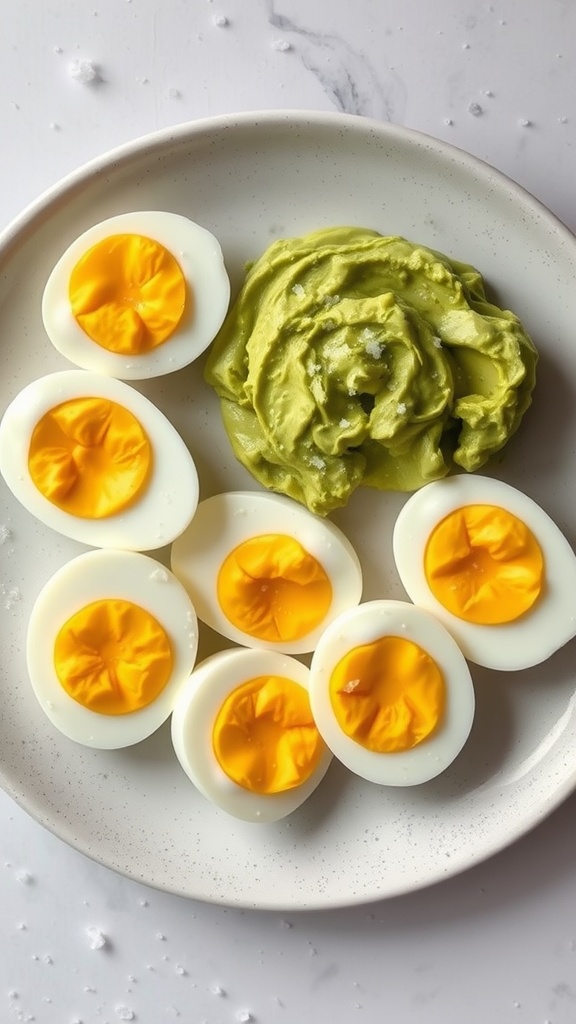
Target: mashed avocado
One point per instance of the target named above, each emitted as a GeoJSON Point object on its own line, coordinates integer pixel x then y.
{"type": "Point", "coordinates": [352, 358]}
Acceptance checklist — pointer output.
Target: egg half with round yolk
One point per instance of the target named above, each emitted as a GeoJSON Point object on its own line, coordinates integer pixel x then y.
{"type": "Point", "coordinates": [139, 295]}
{"type": "Point", "coordinates": [94, 459]}
{"type": "Point", "coordinates": [492, 566]}
{"type": "Point", "coordinates": [264, 572]}
{"type": "Point", "coordinates": [243, 732]}
{"type": "Point", "coordinates": [391, 693]}
{"type": "Point", "coordinates": [111, 639]}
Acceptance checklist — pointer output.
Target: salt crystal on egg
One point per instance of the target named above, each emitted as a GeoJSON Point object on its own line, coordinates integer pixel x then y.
{"type": "Point", "coordinates": [11, 597]}
{"type": "Point", "coordinates": [159, 576]}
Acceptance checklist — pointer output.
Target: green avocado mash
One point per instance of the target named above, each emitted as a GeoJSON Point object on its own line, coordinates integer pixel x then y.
{"type": "Point", "coordinates": [352, 358]}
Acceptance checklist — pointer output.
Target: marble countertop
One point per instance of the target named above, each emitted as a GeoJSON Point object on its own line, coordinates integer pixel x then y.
{"type": "Point", "coordinates": [79, 943]}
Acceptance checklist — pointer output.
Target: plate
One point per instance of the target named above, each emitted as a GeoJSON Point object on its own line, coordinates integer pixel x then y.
{"type": "Point", "coordinates": [250, 179]}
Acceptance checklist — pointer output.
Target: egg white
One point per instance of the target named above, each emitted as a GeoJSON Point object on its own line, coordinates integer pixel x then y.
{"type": "Point", "coordinates": [193, 720]}
{"type": "Point", "coordinates": [544, 628]}
{"type": "Point", "coordinates": [200, 258]}
{"type": "Point", "coordinates": [366, 624]}
{"type": "Point", "coordinates": [169, 498]}
{"type": "Point", "coordinates": [224, 521]}
{"type": "Point", "coordinates": [94, 576]}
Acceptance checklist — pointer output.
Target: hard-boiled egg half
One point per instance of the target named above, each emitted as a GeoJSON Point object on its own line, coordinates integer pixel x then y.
{"type": "Point", "coordinates": [264, 572]}
{"type": "Point", "coordinates": [391, 693]}
{"type": "Point", "coordinates": [243, 732]}
{"type": "Point", "coordinates": [95, 460]}
{"type": "Point", "coordinates": [492, 566]}
{"type": "Point", "coordinates": [139, 295]}
{"type": "Point", "coordinates": [112, 638]}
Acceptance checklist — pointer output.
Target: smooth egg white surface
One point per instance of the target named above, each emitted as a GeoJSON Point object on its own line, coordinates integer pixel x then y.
{"type": "Point", "coordinates": [530, 639]}
{"type": "Point", "coordinates": [224, 521]}
{"type": "Point", "coordinates": [192, 723]}
{"type": "Point", "coordinates": [366, 624]}
{"type": "Point", "coordinates": [95, 576]}
{"type": "Point", "coordinates": [199, 256]}
{"type": "Point", "coordinates": [168, 500]}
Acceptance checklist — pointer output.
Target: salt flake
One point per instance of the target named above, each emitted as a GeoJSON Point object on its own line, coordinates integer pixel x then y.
{"type": "Point", "coordinates": [83, 71]}
{"type": "Point", "coordinates": [124, 1013]}
{"type": "Point", "coordinates": [373, 349]}
{"type": "Point", "coordinates": [10, 599]}
{"type": "Point", "coordinates": [96, 938]}
{"type": "Point", "coordinates": [351, 685]}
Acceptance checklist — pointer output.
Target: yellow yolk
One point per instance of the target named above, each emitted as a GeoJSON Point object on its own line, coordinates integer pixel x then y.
{"type": "Point", "coordinates": [272, 589]}
{"type": "Point", "coordinates": [90, 457]}
{"type": "Point", "coordinates": [128, 294]}
{"type": "Point", "coordinates": [113, 657]}
{"type": "Point", "coordinates": [388, 695]}
{"type": "Point", "coordinates": [484, 565]}
{"type": "Point", "coordinates": [264, 736]}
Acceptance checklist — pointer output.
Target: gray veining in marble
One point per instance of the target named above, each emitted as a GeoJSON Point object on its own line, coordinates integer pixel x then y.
{"type": "Point", "coordinates": [346, 75]}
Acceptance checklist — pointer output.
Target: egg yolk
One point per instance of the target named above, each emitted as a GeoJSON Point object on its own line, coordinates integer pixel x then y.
{"type": "Point", "coordinates": [113, 657]}
{"type": "Point", "coordinates": [128, 294]}
{"type": "Point", "coordinates": [271, 588]}
{"type": "Point", "coordinates": [90, 457]}
{"type": "Point", "coordinates": [484, 565]}
{"type": "Point", "coordinates": [264, 737]}
{"type": "Point", "coordinates": [387, 695]}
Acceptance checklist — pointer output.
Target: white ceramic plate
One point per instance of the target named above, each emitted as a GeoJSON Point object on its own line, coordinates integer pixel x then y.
{"type": "Point", "coordinates": [250, 179]}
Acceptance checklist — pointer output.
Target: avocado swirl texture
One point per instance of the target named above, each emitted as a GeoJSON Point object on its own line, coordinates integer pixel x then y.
{"type": "Point", "coordinates": [354, 358]}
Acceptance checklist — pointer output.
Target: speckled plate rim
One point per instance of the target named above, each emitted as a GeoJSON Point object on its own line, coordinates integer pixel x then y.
{"type": "Point", "coordinates": [119, 158]}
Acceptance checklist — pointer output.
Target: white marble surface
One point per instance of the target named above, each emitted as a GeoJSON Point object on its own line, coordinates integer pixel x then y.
{"type": "Point", "coordinates": [499, 942]}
